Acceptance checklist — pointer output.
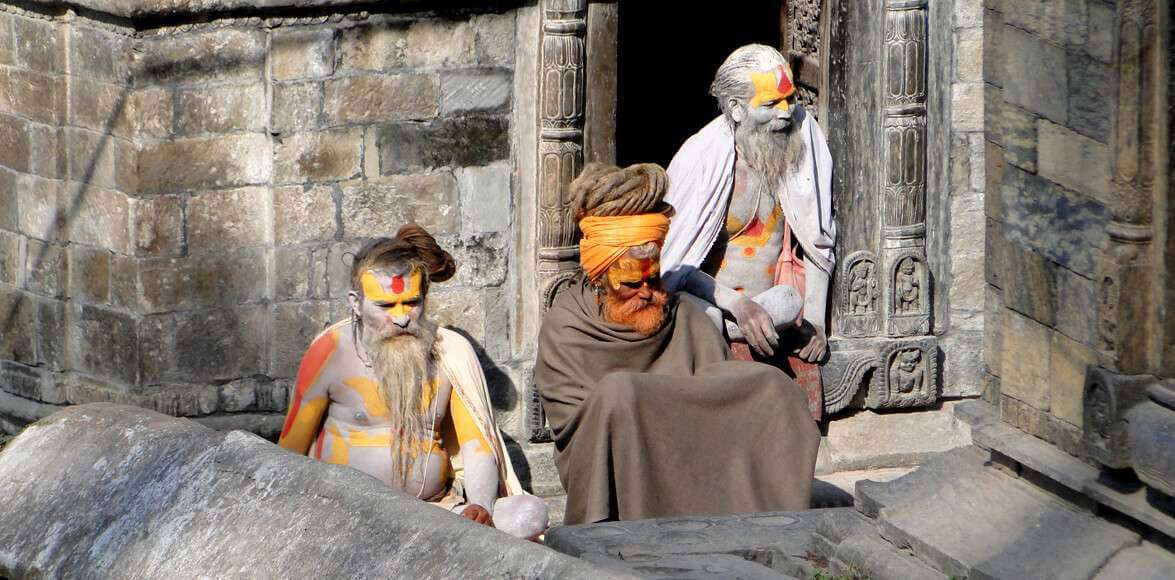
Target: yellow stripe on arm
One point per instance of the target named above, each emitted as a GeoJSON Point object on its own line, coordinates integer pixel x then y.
{"type": "Point", "coordinates": [466, 425]}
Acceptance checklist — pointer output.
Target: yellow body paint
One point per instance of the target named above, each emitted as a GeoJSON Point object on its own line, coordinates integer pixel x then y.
{"type": "Point", "coordinates": [368, 389]}
{"type": "Point", "coordinates": [398, 292]}
{"type": "Point", "coordinates": [772, 85]}
{"type": "Point", "coordinates": [465, 425]}
{"type": "Point", "coordinates": [628, 270]}
{"type": "Point", "coordinates": [338, 446]}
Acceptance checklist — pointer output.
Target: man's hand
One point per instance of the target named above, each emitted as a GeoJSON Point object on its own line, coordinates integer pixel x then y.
{"type": "Point", "coordinates": [815, 343]}
{"type": "Point", "coordinates": [756, 326]}
{"type": "Point", "coordinates": [478, 514]}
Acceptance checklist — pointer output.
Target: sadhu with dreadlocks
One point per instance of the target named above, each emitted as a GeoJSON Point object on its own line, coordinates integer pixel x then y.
{"type": "Point", "coordinates": [391, 394]}
{"type": "Point", "coordinates": [650, 417]}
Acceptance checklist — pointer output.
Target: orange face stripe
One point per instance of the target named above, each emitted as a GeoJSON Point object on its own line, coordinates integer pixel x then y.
{"type": "Point", "coordinates": [312, 364]}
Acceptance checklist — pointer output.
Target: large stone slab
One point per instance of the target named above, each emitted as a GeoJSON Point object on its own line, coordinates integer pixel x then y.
{"type": "Point", "coordinates": [973, 521]}
{"type": "Point", "coordinates": [112, 491]}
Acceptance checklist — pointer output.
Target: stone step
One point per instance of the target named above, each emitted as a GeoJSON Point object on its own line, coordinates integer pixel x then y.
{"type": "Point", "coordinates": [969, 519]}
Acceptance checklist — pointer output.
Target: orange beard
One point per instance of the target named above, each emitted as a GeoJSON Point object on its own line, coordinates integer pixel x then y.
{"type": "Point", "coordinates": [644, 316]}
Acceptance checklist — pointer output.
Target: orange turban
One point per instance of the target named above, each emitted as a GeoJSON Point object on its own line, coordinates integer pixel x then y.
{"type": "Point", "coordinates": [606, 239]}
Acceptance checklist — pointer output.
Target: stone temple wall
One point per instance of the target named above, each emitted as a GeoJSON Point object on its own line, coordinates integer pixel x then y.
{"type": "Point", "coordinates": [179, 196]}
{"type": "Point", "coordinates": [1050, 100]}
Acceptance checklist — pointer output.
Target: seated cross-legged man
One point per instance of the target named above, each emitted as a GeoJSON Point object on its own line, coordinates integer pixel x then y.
{"type": "Point", "coordinates": [650, 416]}
{"type": "Point", "coordinates": [393, 395]}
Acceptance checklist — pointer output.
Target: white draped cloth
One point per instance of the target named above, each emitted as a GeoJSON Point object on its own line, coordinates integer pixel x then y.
{"type": "Point", "coordinates": [701, 180]}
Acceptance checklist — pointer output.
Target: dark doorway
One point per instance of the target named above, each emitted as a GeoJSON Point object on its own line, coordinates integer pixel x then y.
{"type": "Point", "coordinates": [666, 60]}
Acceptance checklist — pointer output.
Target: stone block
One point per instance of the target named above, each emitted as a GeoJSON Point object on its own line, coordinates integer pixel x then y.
{"type": "Point", "coordinates": [1040, 73]}
{"type": "Point", "coordinates": [1027, 360]}
{"type": "Point", "coordinates": [220, 55]}
{"type": "Point", "coordinates": [17, 342]}
{"type": "Point", "coordinates": [374, 47]}
{"type": "Point", "coordinates": [960, 157]}
{"type": "Point", "coordinates": [968, 13]}
{"type": "Point", "coordinates": [47, 156]}
{"type": "Point", "coordinates": [1066, 227]}
{"type": "Point", "coordinates": [485, 198]}
{"type": "Point", "coordinates": [100, 107]}
{"type": "Point", "coordinates": [11, 266]}
{"type": "Point", "coordinates": [101, 159]}
{"type": "Point", "coordinates": [459, 309]}
{"type": "Point", "coordinates": [291, 273]}
{"type": "Point", "coordinates": [46, 268]}
{"type": "Point", "coordinates": [89, 274]}
{"type": "Point", "coordinates": [186, 164]}
{"type": "Point", "coordinates": [967, 106]}
{"type": "Point", "coordinates": [1067, 365]}
{"type": "Point", "coordinates": [51, 340]}
{"type": "Point", "coordinates": [1028, 281]}
{"type": "Point", "coordinates": [7, 39]}
{"type": "Point", "coordinates": [993, 201]}
{"type": "Point", "coordinates": [969, 55]}
{"type": "Point", "coordinates": [452, 142]}
{"type": "Point", "coordinates": [157, 224]}
{"type": "Point", "coordinates": [330, 274]}
{"type": "Point", "coordinates": [967, 230]}
{"type": "Point", "coordinates": [224, 109]}
{"type": "Point", "coordinates": [1144, 562]}
{"type": "Point", "coordinates": [376, 208]}
{"type": "Point", "coordinates": [221, 344]}
{"type": "Point", "coordinates": [494, 38]}
{"type": "Point", "coordinates": [1061, 22]}
{"type": "Point", "coordinates": [1092, 82]}
{"type": "Point", "coordinates": [296, 106]}
{"type": "Point", "coordinates": [41, 213]}
{"type": "Point", "coordinates": [223, 220]}
{"type": "Point", "coordinates": [151, 113]}
{"type": "Point", "coordinates": [14, 143]}
{"type": "Point", "coordinates": [1077, 316]}
{"type": "Point", "coordinates": [10, 191]}
{"type": "Point", "coordinates": [304, 214]}
{"type": "Point", "coordinates": [963, 364]}
{"type": "Point", "coordinates": [36, 96]}
{"type": "Point", "coordinates": [976, 145]}
{"type": "Point", "coordinates": [1075, 161]}
{"type": "Point", "coordinates": [377, 99]}
{"type": "Point", "coordinates": [320, 156]}
{"type": "Point", "coordinates": [301, 54]}
{"type": "Point", "coordinates": [157, 358]}
{"type": "Point", "coordinates": [1014, 129]}
{"type": "Point", "coordinates": [295, 324]}
{"type": "Point", "coordinates": [433, 43]}
{"type": "Point", "coordinates": [124, 282]}
{"type": "Point", "coordinates": [99, 217]}
{"type": "Point", "coordinates": [100, 55]}
{"type": "Point", "coordinates": [1102, 19]}
{"type": "Point", "coordinates": [475, 91]}
{"type": "Point", "coordinates": [994, 51]}
{"type": "Point", "coordinates": [482, 260]}
{"type": "Point", "coordinates": [104, 343]}
{"type": "Point", "coordinates": [993, 331]}
{"type": "Point", "coordinates": [40, 44]}
{"type": "Point", "coordinates": [222, 278]}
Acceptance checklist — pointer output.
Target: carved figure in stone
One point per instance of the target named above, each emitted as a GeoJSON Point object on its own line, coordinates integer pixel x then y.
{"type": "Point", "coordinates": [646, 410]}
{"type": "Point", "coordinates": [907, 288]}
{"type": "Point", "coordinates": [907, 372]}
{"type": "Point", "coordinates": [393, 395]}
{"type": "Point", "coordinates": [862, 288]}
{"type": "Point", "coordinates": [754, 229]}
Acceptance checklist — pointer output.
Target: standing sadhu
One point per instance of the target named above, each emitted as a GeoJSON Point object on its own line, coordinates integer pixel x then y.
{"type": "Point", "coordinates": [650, 418]}
{"type": "Point", "coordinates": [391, 394]}
{"type": "Point", "coordinates": [754, 231]}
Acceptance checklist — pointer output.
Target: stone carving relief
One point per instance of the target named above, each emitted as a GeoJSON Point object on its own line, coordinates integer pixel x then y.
{"type": "Point", "coordinates": [910, 372]}
{"type": "Point", "coordinates": [1107, 397]}
{"type": "Point", "coordinates": [860, 295]}
{"type": "Point", "coordinates": [909, 289]}
{"type": "Point", "coordinates": [803, 48]}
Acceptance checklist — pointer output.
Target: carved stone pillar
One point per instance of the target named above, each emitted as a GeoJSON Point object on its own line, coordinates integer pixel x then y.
{"type": "Point", "coordinates": [562, 73]}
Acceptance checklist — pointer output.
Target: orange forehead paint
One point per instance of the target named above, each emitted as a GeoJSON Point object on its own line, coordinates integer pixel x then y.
{"type": "Point", "coordinates": [395, 292]}
{"type": "Point", "coordinates": [628, 270]}
{"type": "Point", "coordinates": [771, 86]}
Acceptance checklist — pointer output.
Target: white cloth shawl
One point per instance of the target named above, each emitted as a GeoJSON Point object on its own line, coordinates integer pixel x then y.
{"type": "Point", "coordinates": [458, 361]}
{"type": "Point", "coordinates": [701, 179]}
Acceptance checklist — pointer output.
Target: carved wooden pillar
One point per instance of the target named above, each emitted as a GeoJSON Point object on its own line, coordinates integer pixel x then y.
{"type": "Point", "coordinates": [562, 72]}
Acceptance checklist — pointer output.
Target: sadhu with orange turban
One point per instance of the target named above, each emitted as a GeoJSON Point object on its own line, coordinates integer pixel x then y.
{"type": "Point", "coordinates": [620, 360]}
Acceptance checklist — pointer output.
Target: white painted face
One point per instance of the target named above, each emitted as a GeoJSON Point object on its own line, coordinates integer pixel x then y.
{"type": "Point", "coordinates": [391, 303]}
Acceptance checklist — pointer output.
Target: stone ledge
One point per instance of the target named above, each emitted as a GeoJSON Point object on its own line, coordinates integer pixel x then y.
{"type": "Point", "coordinates": [132, 9]}
{"type": "Point", "coordinates": [115, 491]}
{"type": "Point", "coordinates": [1073, 475]}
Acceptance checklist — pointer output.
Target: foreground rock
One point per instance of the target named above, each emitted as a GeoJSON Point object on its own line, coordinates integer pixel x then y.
{"type": "Point", "coordinates": [111, 491]}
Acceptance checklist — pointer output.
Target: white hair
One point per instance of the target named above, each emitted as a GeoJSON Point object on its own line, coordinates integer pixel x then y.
{"type": "Point", "coordinates": [733, 78]}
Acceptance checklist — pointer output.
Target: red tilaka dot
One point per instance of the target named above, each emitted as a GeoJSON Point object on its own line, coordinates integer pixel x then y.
{"type": "Point", "coordinates": [785, 85]}
{"type": "Point", "coordinates": [398, 284]}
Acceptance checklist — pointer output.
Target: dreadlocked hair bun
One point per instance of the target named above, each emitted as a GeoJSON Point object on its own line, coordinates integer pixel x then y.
{"type": "Point", "coordinates": [603, 190]}
{"type": "Point", "coordinates": [411, 244]}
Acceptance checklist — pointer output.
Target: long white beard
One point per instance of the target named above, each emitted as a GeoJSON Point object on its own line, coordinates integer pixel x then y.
{"type": "Point", "coordinates": [402, 364]}
{"type": "Point", "coordinates": [773, 154]}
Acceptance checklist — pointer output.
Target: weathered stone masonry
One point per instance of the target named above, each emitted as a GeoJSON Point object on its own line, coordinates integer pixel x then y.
{"type": "Point", "coordinates": [178, 201]}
